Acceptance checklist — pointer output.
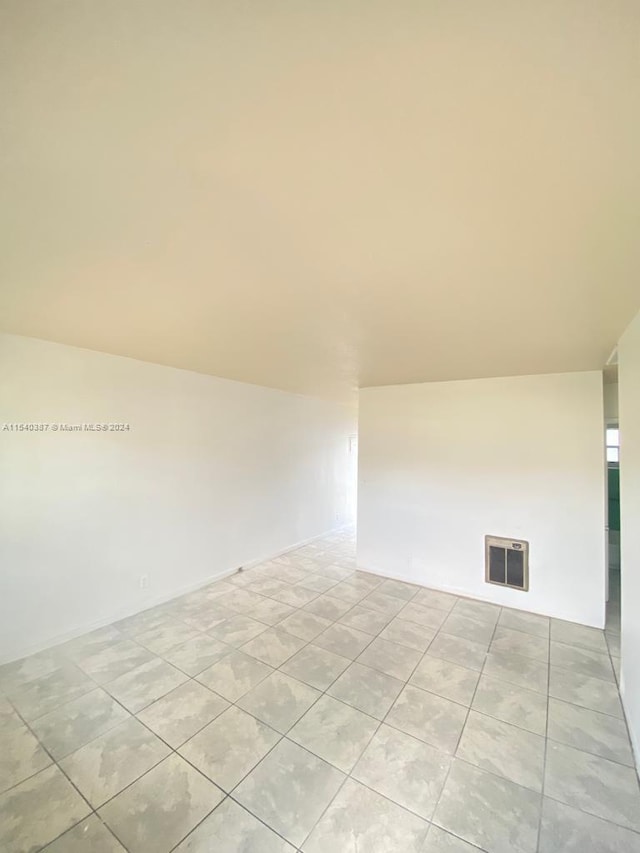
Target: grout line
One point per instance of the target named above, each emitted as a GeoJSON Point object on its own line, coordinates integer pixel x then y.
{"type": "Point", "coordinates": [334, 622]}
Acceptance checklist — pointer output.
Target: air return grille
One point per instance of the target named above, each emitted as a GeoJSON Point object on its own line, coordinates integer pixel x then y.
{"type": "Point", "coordinates": [507, 562]}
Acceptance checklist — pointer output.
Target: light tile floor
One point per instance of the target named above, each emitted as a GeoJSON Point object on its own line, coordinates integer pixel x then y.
{"type": "Point", "coordinates": [305, 705]}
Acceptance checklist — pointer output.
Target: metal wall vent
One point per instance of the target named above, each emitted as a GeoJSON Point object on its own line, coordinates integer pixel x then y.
{"type": "Point", "coordinates": [507, 562]}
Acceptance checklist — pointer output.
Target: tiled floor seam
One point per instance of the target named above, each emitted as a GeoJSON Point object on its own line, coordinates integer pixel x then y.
{"type": "Point", "coordinates": [55, 764]}
{"type": "Point", "coordinates": [453, 756]}
{"type": "Point", "coordinates": [325, 692]}
{"type": "Point", "coordinates": [283, 736]}
{"type": "Point", "coordinates": [346, 775]}
{"type": "Point", "coordinates": [349, 775]}
{"type": "Point", "coordinates": [295, 609]}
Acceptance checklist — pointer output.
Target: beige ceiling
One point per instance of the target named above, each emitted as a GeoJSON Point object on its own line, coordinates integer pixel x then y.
{"type": "Point", "coordinates": [320, 194]}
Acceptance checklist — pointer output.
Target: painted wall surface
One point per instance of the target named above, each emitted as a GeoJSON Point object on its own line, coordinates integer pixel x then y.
{"type": "Point", "coordinates": [629, 380]}
{"type": "Point", "coordinates": [211, 475]}
{"type": "Point", "coordinates": [610, 391]}
{"type": "Point", "coordinates": [443, 464]}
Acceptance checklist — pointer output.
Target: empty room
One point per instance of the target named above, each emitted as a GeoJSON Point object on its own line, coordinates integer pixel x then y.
{"type": "Point", "coordinates": [319, 426]}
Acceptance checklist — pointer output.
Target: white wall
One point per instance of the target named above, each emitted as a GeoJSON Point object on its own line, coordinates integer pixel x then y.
{"type": "Point", "coordinates": [610, 391]}
{"type": "Point", "coordinates": [442, 464]}
{"type": "Point", "coordinates": [212, 475]}
{"type": "Point", "coordinates": [629, 392]}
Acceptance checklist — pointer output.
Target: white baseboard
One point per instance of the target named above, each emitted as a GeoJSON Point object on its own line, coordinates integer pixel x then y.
{"type": "Point", "coordinates": [87, 627]}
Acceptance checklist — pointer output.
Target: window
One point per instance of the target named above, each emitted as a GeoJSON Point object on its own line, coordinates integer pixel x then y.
{"type": "Point", "coordinates": [613, 444]}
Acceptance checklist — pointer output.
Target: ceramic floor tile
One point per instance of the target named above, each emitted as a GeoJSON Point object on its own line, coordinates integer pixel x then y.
{"type": "Point", "coordinates": [593, 784]}
{"type": "Point", "coordinates": [613, 643]}
{"type": "Point", "coordinates": [238, 630]}
{"type": "Point", "coordinates": [234, 675]}
{"type": "Point", "coordinates": [368, 621]}
{"type": "Point", "coordinates": [593, 693]}
{"type": "Point", "coordinates": [229, 747]}
{"type": "Point", "coordinates": [291, 574]}
{"type": "Point", "coordinates": [459, 650]}
{"type": "Point", "coordinates": [528, 623]}
{"type": "Point", "coordinates": [305, 625]}
{"type": "Point", "coordinates": [271, 612]}
{"type": "Point", "coordinates": [571, 831]}
{"type": "Point", "coordinates": [367, 690]}
{"type": "Point", "coordinates": [444, 601]}
{"type": "Point", "coordinates": [8, 717]}
{"type": "Point", "coordinates": [317, 583]}
{"type": "Point", "coordinates": [503, 749]}
{"type": "Point", "coordinates": [231, 829]}
{"type": "Point", "coordinates": [36, 698]}
{"type": "Point", "coordinates": [144, 685]}
{"type": "Point", "coordinates": [310, 613]}
{"type": "Point", "coordinates": [273, 647]}
{"type": "Point", "coordinates": [144, 621]}
{"type": "Point", "coordinates": [468, 628]}
{"type": "Point", "coordinates": [446, 679]}
{"type": "Point", "coordinates": [511, 704]}
{"type": "Point", "coordinates": [159, 640]}
{"type": "Point", "coordinates": [578, 635]}
{"type": "Point", "coordinates": [106, 765]}
{"type": "Point", "coordinates": [241, 579]}
{"type": "Point", "coordinates": [91, 643]}
{"type": "Point", "coordinates": [428, 617]}
{"type": "Point", "coordinates": [480, 610]}
{"type": "Point", "coordinates": [328, 607]}
{"type": "Point", "coordinates": [579, 659]}
{"type": "Point", "coordinates": [291, 810]}
{"type": "Point", "coordinates": [390, 658]}
{"type": "Point", "coordinates": [183, 712]}
{"type": "Point", "coordinates": [399, 589]}
{"type": "Point", "coordinates": [440, 841]}
{"type": "Point", "coordinates": [508, 641]}
{"type": "Point", "coordinates": [408, 634]}
{"type": "Point", "coordinates": [590, 731]}
{"type": "Point", "coordinates": [365, 580]}
{"type": "Point", "coordinates": [296, 596]}
{"type": "Point", "coordinates": [162, 807]}
{"type": "Point", "coordinates": [349, 591]}
{"type": "Point", "coordinates": [197, 654]}
{"type": "Point", "coordinates": [335, 732]}
{"type": "Point", "coordinates": [389, 604]}
{"type": "Point", "coordinates": [616, 663]}
{"type": "Point", "coordinates": [20, 755]}
{"type": "Point", "coordinates": [343, 640]}
{"type": "Point", "coordinates": [279, 701]}
{"type": "Point", "coordinates": [73, 725]}
{"type": "Point", "coordinates": [524, 672]}
{"type": "Point", "coordinates": [115, 660]}
{"type": "Point", "coordinates": [266, 585]}
{"type": "Point", "coordinates": [334, 571]}
{"type": "Point", "coordinates": [240, 600]}
{"type": "Point", "coordinates": [488, 811]}
{"type": "Point", "coordinates": [20, 672]}
{"type": "Point", "coordinates": [316, 666]}
{"type": "Point", "coordinates": [430, 718]}
{"type": "Point", "coordinates": [361, 820]}
{"type": "Point", "coordinates": [38, 810]}
{"type": "Point", "coordinates": [207, 616]}
{"type": "Point", "coordinates": [404, 770]}
{"type": "Point", "coordinates": [88, 836]}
